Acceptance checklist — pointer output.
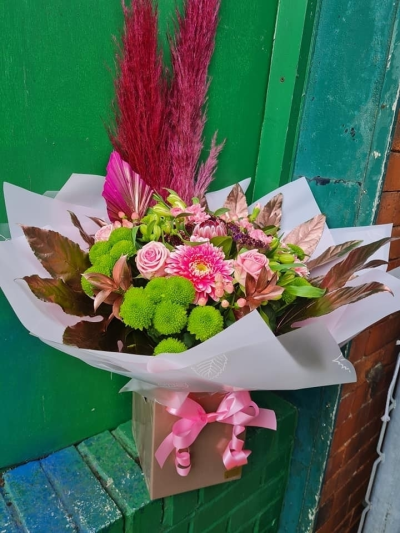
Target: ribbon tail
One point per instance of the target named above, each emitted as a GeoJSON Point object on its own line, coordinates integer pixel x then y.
{"type": "Point", "coordinates": [182, 462]}
{"type": "Point", "coordinates": [165, 449]}
{"type": "Point", "coordinates": [234, 455]}
{"type": "Point", "coordinates": [266, 418]}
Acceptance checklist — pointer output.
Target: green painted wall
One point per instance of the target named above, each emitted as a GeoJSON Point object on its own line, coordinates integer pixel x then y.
{"type": "Point", "coordinates": [55, 58]}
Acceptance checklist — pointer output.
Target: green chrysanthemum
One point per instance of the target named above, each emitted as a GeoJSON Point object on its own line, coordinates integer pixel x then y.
{"type": "Point", "coordinates": [169, 318]}
{"type": "Point", "coordinates": [98, 249]}
{"type": "Point", "coordinates": [106, 263]}
{"type": "Point", "coordinates": [180, 291]}
{"type": "Point", "coordinates": [156, 289]}
{"type": "Point", "coordinates": [120, 234]}
{"type": "Point", "coordinates": [137, 309]}
{"type": "Point", "coordinates": [95, 269]}
{"type": "Point", "coordinates": [170, 345]}
{"type": "Point", "coordinates": [205, 322]}
{"type": "Point", "coordinates": [122, 248]}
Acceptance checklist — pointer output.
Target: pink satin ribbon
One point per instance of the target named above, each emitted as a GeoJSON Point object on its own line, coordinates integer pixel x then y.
{"type": "Point", "coordinates": [236, 409]}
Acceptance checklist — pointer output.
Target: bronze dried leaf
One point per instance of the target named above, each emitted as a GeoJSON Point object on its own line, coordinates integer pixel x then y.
{"type": "Point", "coordinates": [340, 273]}
{"type": "Point", "coordinates": [122, 274]}
{"type": "Point", "coordinates": [96, 335]}
{"type": "Point", "coordinates": [236, 202]}
{"type": "Point", "coordinates": [101, 281]}
{"type": "Point", "coordinates": [99, 221]}
{"type": "Point", "coordinates": [308, 234]}
{"type": "Point", "coordinates": [329, 303]}
{"type": "Point", "coordinates": [61, 257]}
{"type": "Point", "coordinates": [85, 236]}
{"type": "Point", "coordinates": [343, 296]}
{"type": "Point", "coordinates": [56, 291]}
{"type": "Point", "coordinates": [331, 253]}
{"type": "Point", "coordinates": [271, 213]}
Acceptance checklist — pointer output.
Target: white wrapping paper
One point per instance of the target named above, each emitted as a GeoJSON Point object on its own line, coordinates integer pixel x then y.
{"type": "Point", "coordinates": [246, 355]}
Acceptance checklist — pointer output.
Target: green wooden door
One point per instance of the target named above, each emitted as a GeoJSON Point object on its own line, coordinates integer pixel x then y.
{"type": "Point", "coordinates": [55, 96]}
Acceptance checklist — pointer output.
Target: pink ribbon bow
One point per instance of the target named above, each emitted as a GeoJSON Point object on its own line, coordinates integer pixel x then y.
{"type": "Point", "coordinates": [236, 409]}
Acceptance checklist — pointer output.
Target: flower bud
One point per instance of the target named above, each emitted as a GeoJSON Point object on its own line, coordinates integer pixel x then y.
{"type": "Point", "coordinates": [241, 302]}
{"type": "Point", "coordinates": [176, 201]}
{"type": "Point", "coordinates": [286, 258]}
{"type": "Point", "coordinates": [224, 304]}
{"type": "Point", "coordinates": [161, 210]}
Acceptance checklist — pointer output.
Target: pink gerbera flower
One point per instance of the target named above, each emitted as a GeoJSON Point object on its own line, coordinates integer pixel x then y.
{"type": "Point", "coordinates": [204, 265]}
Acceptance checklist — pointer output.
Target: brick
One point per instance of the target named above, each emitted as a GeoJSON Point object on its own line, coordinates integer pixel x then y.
{"type": "Point", "coordinates": [358, 346]}
{"type": "Point", "coordinates": [360, 396]}
{"type": "Point", "coordinates": [396, 138]}
{"type": "Point", "coordinates": [394, 252]}
{"type": "Point", "coordinates": [389, 209]}
{"type": "Point", "coordinates": [342, 526]}
{"type": "Point", "coordinates": [37, 505]}
{"type": "Point", "coordinates": [123, 479]}
{"type": "Point", "coordinates": [392, 178]}
{"type": "Point", "coordinates": [220, 526]}
{"type": "Point", "coordinates": [182, 527]}
{"type": "Point", "coordinates": [179, 506]}
{"type": "Point", "coordinates": [383, 332]}
{"type": "Point", "coordinates": [7, 522]}
{"type": "Point", "coordinates": [345, 432]}
{"type": "Point", "coordinates": [393, 264]}
{"type": "Point", "coordinates": [244, 513]}
{"type": "Point", "coordinates": [330, 486]}
{"type": "Point", "coordinates": [334, 463]}
{"type": "Point", "coordinates": [344, 410]}
{"type": "Point", "coordinates": [124, 436]}
{"type": "Point", "coordinates": [268, 520]}
{"type": "Point", "coordinates": [324, 513]}
{"type": "Point", "coordinates": [81, 493]}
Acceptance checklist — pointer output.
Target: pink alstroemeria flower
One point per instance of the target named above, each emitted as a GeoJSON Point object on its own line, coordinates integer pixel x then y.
{"type": "Point", "coordinates": [125, 193]}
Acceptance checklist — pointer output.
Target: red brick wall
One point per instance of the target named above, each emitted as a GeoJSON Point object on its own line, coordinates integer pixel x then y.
{"type": "Point", "coordinates": [362, 404]}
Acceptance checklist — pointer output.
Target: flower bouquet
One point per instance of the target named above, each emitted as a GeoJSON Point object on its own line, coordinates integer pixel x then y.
{"type": "Point", "coordinates": [196, 296]}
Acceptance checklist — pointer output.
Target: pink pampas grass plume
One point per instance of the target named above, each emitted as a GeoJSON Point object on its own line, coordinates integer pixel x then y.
{"type": "Point", "coordinates": [191, 54]}
{"type": "Point", "coordinates": [141, 92]}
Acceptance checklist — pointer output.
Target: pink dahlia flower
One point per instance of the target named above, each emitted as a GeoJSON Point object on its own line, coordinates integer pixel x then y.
{"type": "Point", "coordinates": [209, 229]}
{"type": "Point", "coordinates": [203, 265]}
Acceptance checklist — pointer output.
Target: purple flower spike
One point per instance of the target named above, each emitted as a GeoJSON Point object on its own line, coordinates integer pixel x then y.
{"type": "Point", "coordinates": [124, 191]}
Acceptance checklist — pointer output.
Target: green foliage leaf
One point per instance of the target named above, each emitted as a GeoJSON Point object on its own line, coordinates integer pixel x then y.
{"type": "Point", "coordinates": [221, 211]}
{"type": "Point", "coordinates": [305, 291]}
{"type": "Point", "coordinates": [56, 291]}
{"type": "Point", "coordinates": [61, 257]}
{"type": "Point", "coordinates": [223, 242]}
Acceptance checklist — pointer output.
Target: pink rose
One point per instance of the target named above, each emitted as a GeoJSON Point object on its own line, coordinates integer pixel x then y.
{"type": "Point", "coordinates": [103, 233]}
{"type": "Point", "coordinates": [259, 235]}
{"type": "Point", "coordinates": [151, 260]}
{"type": "Point", "coordinates": [250, 262]}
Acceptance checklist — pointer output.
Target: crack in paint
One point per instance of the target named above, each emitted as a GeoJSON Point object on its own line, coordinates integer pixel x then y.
{"type": "Point", "coordinates": [327, 181]}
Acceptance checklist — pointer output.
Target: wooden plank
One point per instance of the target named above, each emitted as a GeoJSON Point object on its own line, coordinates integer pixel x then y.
{"type": "Point", "coordinates": [281, 84]}
{"type": "Point", "coordinates": [81, 493]}
{"type": "Point", "coordinates": [36, 504]}
{"type": "Point", "coordinates": [123, 479]}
